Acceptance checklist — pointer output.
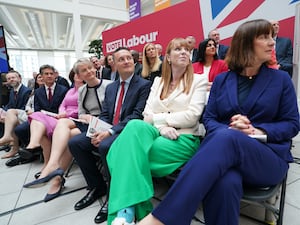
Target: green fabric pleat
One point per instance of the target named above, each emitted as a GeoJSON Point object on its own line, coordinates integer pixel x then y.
{"type": "Point", "coordinates": [135, 156]}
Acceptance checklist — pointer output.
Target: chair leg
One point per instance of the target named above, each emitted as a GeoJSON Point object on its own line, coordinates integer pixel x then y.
{"type": "Point", "coordinates": [282, 201]}
{"type": "Point", "coordinates": [69, 168]}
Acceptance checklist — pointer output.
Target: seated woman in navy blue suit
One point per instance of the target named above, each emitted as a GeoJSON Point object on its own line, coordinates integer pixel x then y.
{"type": "Point", "coordinates": [250, 99]}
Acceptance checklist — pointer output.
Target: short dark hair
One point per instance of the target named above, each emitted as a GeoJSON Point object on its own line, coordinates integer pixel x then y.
{"type": "Point", "coordinates": [46, 66]}
{"type": "Point", "coordinates": [241, 51]}
{"type": "Point", "coordinates": [14, 71]}
{"type": "Point", "coordinates": [121, 48]}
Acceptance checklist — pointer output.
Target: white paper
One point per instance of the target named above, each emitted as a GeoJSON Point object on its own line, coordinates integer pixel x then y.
{"type": "Point", "coordinates": [49, 113]}
{"type": "Point", "coordinates": [97, 125]}
{"type": "Point", "coordinates": [260, 137]}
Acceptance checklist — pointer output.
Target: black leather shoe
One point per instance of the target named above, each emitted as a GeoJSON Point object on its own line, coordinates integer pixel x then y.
{"type": "Point", "coordinates": [89, 199]}
{"type": "Point", "coordinates": [101, 215]}
{"type": "Point", "coordinates": [5, 148]}
{"type": "Point", "coordinates": [28, 153]}
{"type": "Point", "coordinates": [18, 160]}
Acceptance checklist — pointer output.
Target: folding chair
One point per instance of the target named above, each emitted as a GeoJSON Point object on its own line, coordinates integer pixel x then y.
{"type": "Point", "coordinates": [267, 198]}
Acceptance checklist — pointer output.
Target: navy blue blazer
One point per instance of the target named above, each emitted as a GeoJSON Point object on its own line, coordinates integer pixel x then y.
{"type": "Point", "coordinates": [133, 104]}
{"type": "Point", "coordinates": [106, 74]}
{"type": "Point", "coordinates": [284, 54]}
{"type": "Point", "coordinates": [41, 101]}
{"type": "Point", "coordinates": [195, 55]}
{"type": "Point", "coordinates": [21, 100]}
{"type": "Point", "coordinates": [271, 105]}
{"type": "Point", "coordinates": [222, 51]}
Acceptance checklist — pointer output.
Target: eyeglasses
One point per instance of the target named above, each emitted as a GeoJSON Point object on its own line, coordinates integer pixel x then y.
{"type": "Point", "coordinates": [210, 45]}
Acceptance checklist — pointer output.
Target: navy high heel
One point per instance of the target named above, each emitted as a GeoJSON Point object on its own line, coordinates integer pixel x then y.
{"type": "Point", "coordinates": [49, 197]}
{"type": "Point", "coordinates": [44, 180]}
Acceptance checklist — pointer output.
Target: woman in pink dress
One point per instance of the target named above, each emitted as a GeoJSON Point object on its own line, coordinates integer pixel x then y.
{"type": "Point", "coordinates": [42, 124]}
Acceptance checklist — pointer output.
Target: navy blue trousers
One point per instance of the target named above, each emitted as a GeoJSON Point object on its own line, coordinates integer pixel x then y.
{"type": "Point", "coordinates": [81, 148]}
{"type": "Point", "coordinates": [22, 131]}
{"type": "Point", "coordinates": [226, 160]}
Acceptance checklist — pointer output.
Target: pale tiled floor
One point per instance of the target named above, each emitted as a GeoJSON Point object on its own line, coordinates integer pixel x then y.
{"type": "Point", "coordinates": [21, 206]}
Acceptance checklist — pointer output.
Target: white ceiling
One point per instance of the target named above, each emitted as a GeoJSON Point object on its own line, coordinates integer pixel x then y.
{"type": "Point", "coordinates": [49, 26]}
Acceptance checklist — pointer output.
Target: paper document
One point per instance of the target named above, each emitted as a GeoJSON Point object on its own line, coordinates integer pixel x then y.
{"type": "Point", "coordinates": [260, 137]}
{"type": "Point", "coordinates": [97, 125]}
{"type": "Point", "coordinates": [49, 113]}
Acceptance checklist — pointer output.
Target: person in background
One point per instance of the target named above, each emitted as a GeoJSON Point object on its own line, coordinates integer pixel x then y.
{"type": "Point", "coordinates": [31, 82]}
{"type": "Point", "coordinates": [18, 96]}
{"type": "Point", "coordinates": [110, 72]}
{"type": "Point", "coordinates": [151, 62]}
{"type": "Point", "coordinates": [61, 80]}
{"type": "Point", "coordinates": [192, 45]}
{"type": "Point", "coordinates": [250, 99]}
{"type": "Point", "coordinates": [137, 65]}
{"type": "Point", "coordinates": [15, 117]}
{"type": "Point", "coordinates": [207, 62]}
{"type": "Point", "coordinates": [164, 141]}
{"type": "Point", "coordinates": [97, 64]}
{"type": "Point", "coordinates": [221, 49]}
{"type": "Point", "coordinates": [159, 51]}
{"type": "Point", "coordinates": [283, 49]}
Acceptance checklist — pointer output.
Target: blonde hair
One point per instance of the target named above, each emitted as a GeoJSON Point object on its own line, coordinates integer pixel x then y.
{"type": "Point", "coordinates": [146, 64]}
{"type": "Point", "coordinates": [166, 75]}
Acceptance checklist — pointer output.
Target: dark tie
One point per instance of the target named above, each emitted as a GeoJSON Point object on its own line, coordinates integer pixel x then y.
{"type": "Point", "coordinates": [119, 105]}
{"type": "Point", "coordinates": [49, 94]}
{"type": "Point", "coordinates": [15, 95]}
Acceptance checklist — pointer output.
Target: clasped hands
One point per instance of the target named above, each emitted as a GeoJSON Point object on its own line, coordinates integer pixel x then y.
{"type": "Point", "coordinates": [98, 137]}
{"type": "Point", "coordinates": [243, 124]}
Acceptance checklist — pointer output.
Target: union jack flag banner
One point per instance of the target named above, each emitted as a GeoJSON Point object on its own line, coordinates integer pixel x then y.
{"type": "Point", "coordinates": [3, 54]}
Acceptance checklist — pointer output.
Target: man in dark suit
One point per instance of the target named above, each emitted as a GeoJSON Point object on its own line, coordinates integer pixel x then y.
{"type": "Point", "coordinates": [284, 50]}
{"type": "Point", "coordinates": [192, 43]}
{"type": "Point", "coordinates": [221, 49]}
{"type": "Point", "coordinates": [18, 95]}
{"type": "Point", "coordinates": [132, 91]}
{"type": "Point", "coordinates": [97, 64]}
{"type": "Point", "coordinates": [49, 98]}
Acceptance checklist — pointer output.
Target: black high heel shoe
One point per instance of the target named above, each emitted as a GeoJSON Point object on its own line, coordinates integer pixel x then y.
{"type": "Point", "coordinates": [49, 197]}
{"type": "Point", "coordinates": [44, 180]}
{"type": "Point", "coordinates": [28, 153]}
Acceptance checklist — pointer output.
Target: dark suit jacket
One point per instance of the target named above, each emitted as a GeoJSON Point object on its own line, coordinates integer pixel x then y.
{"type": "Point", "coordinates": [62, 81]}
{"type": "Point", "coordinates": [138, 68]}
{"type": "Point", "coordinates": [195, 54]}
{"type": "Point", "coordinates": [271, 105]}
{"type": "Point", "coordinates": [106, 74]}
{"type": "Point", "coordinates": [22, 98]}
{"type": "Point", "coordinates": [41, 101]}
{"type": "Point", "coordinates": [133, 104]}
{"type": "Point", "coordinates": [284, 54]}
{"type": "Point", "coordinates": [222, 51]}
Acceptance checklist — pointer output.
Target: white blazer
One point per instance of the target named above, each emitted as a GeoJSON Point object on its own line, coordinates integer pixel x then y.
{"type": "Point", "coordinates": [179, 110]}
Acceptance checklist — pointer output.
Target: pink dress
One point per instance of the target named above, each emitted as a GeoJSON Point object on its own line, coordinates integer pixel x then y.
{"type": "Point", "coordinates": [69, 105]}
